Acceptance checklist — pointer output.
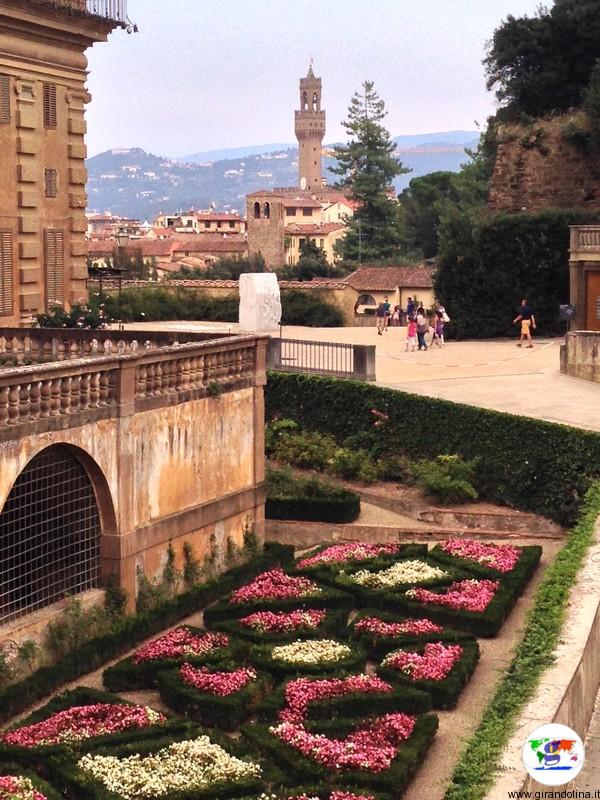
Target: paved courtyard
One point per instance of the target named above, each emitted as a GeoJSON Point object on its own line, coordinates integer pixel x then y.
{"type": "Point", "coordinates": [491, 374]}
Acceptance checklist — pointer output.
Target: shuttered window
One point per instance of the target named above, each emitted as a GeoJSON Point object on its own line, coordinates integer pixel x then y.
{"type": "Point", "coordinates": [4, 100]}
{"type": "Point", "coordinates": [55, 267]}
{"type": "Point", "coordinates": [51, 182]}
{"type": "Point", "coordinates": [50, 105]}
{"type": "Point", "coordinates": [6, 273]}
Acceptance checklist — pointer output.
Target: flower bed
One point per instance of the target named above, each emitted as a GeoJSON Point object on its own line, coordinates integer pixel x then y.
{"type": "Point", "coordinates": [19, 784]}
{"type": "Point", "coordinates": [321, 794]}
{"type": "Point", "coordinates": [398, 576]}
{"type": "Point", "coordinates": [183, 644]}
{"type": "Point", "coordinates": [185, 770]}
{"type": "Point", "coordinates": [221, 698]}
{"type": "Point", "coordinates": [379, 632]}
{"type": "Point", "coordinates": [442, 669]}
{"type": "Point", "coordinates": [352, 697]}
{"type": "Point", "coordinates": [489, 560]}
{"type": "Point", "coordinates": [380, 753]}
{"type": "Point", "coordinates": [285, 626]}
{"type": "Point", "coordinates": [325, 562]}
{"type": "Point", "coordinates": [310, 656]}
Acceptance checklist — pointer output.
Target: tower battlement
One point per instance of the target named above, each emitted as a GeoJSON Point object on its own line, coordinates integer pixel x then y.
{"type": "Point", "coordinates": [310, 130]}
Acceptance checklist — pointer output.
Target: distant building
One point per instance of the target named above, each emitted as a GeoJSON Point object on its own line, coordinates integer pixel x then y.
{"type": "Point", "coordinates": [373, 284]}
{"type": "Point", "coordinates": [310, 130]}
{"type": "Point", "coordinates": [202, 222]}
{"type": "Point", "coordinates": [107, 226]}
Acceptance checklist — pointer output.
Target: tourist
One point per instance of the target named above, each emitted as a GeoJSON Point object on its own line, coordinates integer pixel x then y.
{"type": "Point", "coordinates": [410, 307]}
{"type": "Point", "coordinates": [396, 317]}
{"type": "Point", "coordinates": [422, 327]}
{"type": "Point", "coordinates": [388, 310]}
{"type": "Point", "coordinates": [527, 320]}
{"type": "Point", "coordinates": [411, 335]}
{"type": "Point", "coordinates": [380, 314]}
{"type": "Point", "coordinates": [438, 329]}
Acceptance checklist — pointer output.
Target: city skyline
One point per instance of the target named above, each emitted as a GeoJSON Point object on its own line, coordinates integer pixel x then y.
{"type": "Point", "coordinates": [200, 79]}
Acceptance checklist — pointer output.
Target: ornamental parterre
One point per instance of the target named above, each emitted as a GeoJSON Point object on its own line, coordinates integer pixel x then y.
{"type": "Point", "coordinates": [410, 627]}
{"type": "Point", "coordinates": [82, 722]}
{"type": "Point", "coordinates": [316, 651]}
{"type": "Point", "coordinates": [15, 787]}
{"type": "Point", "coordinates": [401, 573]}
{"type": "Point", "coordinates": [502, 557]}
{"type": "Point", "coordinates": [220, 684]}
{"type": "Point", "coordinates": [434, 664]}
{"type": "Point", "coordinates": [183, 766]}
{"type": "Point", "coordinates": [371, 747]}
{"type": "Point", "coordinates": [301, 692]}
{"type": "Point", "coordinates": [275, 585]}
{"type": "Point", "coordinates": [336, 795]}
{"type": "Point", "coordinates": [355, 551]}
{"type": "Point", "coordinates": [469, 595]}
{"type": "Point", "coordinates": [180, 642]}
{"type": "Point", "coordinates": [283, 621]}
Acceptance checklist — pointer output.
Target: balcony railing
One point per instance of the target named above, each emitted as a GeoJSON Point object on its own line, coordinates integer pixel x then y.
{"type": "Point", "coordinates": [585, 239]}
{"type": "Point", "coordinates": [115, 10]}
{"type": "Point", "coordinates": [322, 358]}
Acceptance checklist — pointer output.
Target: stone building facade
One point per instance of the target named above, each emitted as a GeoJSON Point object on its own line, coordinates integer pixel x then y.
{"type": "Point", "coordinates": [42, 141]}
{"type": "Point", "coordinates": [310, 130]}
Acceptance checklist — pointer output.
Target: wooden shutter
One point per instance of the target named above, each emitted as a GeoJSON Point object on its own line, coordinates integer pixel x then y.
{"type": "Point", "coordinates": [4, 100]}
{"type": "Point", "coordinates": [6, 272]}
{"type": "Point", "coordinates": [50, 105]}
{"type": "Point", "coordinates": [55, 267]}
{"type": "Point", "coordinates": [51, 182]}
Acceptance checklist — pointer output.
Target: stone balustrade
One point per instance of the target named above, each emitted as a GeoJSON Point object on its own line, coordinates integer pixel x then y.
{"type": "Point", "coordinates": [92, 377]}
{"type": "Point", "coordinates": [585, 239]}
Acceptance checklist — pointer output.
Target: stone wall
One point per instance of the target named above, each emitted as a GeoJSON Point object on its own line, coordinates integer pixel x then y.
{"type": "Point", "coordinates": [537, 168]}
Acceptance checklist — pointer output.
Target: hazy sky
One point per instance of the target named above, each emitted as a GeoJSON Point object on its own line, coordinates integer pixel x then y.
{"type": "Point", "coordinates": [204, 75]}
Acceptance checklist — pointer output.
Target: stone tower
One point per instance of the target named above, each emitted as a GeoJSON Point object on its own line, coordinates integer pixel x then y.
{"type": "Point", "coordinates": [310, 130]}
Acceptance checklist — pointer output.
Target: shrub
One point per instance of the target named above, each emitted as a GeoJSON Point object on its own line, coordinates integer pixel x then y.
{"type": "Point", "coordinates": [308, 498]}
{"type": "Point", "coordinates": [310, 309]}
{"type": "Point", "coordinates": [74, 627]}
{"type": "Point", "coordinates": [448, 479]}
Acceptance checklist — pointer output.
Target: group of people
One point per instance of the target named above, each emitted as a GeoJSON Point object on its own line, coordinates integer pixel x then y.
{"type": "Point", "coordinates": [418, 323]}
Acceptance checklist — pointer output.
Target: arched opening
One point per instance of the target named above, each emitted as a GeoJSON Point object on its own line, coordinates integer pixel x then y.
{"type": "Point", "coordinates": [315, 102]}
{"type": "Point", "coordinates": [49, 534]}
{"type": "Point", "coordinates": [366, 300]}
{"type": "Point", "coordinates": [257, 210]}
{"type": "Point", "coordinates": [304, 101]}
{"type": "Point", "coordinates": [267, 210]}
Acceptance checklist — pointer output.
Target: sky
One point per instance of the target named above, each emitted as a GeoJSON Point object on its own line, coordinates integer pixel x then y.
{"type": "Point", "coordinates": [204, 75]}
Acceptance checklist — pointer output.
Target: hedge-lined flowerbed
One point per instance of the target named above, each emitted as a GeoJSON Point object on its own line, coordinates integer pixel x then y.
{"type": "Point", "coordinates": [530, 464]}
{"type": "Point", "coordinates": [367, 583]}
{"type": "Point", "coordinates": [527, 559]}
{"type": "Point", "coordinates": [444, 690]}
{"type": "Point", "coordinates": [284, 626]}
{"type": "Point", "coordinates": [309, 657]}
{"type": "Point", "coordinates": [19, 696]}
{"type": "Point", "coordinates": [13, 779]}
{"type": "Point", "coordinates": [324, 563]}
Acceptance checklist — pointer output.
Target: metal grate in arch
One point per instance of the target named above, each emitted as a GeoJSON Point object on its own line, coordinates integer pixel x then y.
{"type": "Point", "coordinates": [49, 535]}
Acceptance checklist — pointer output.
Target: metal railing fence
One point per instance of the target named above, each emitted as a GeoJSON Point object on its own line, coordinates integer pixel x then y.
{"type": "Point", "coordinates": [337, 359]}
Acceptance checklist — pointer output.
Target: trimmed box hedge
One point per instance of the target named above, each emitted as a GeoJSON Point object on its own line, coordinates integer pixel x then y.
{"type": "Point", "coordinates": [560, 465]}
{"type": "Point", "coordinates": [227, 713]}
{"type": "Point", "coordinates": [444, 693]}
{"type": "Point", "coordinates": [16, 770]}
{"type": "Point", "coordinates": [126, 675]}
{"type": "Point", "coordinates": [132, 630]}
{"type": "Point", "coordinates": [316, 793]}
{"type": "Point", "coordinates": [261, 657]}
{"type": "Point", "coordinates": [521, 573]}
{"type": "Point", "coordinates": [327, 571]}
{"type": "Point", "coordinates": [352, 706]}
{"type": "Point", "coordinates": [299, 769]}
{"type": "Point", "coordinates": [333, 623]}
{"type": "Point", "coordinates": [378, 646]}
{"type": "Point", "coordinates": [340, 508]}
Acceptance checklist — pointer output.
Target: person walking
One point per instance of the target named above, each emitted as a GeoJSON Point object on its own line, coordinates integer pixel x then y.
{"type": "Point", "coordinates": [388, 311]}
{"type": "Point", "coordinates": [380, 314]}
{"type": "Point", "coordinates": [396, 317]}
{"type": "Point", "coordinates": [422, 327]}
{"type": "Point", "coordinates": [410, 307]}
{"type": "Point", "coordinates": [438, 329]}
{"type": "Point", "coordinates": [527, 319]}
{"type": "Point", "coordinates": [411, 335]}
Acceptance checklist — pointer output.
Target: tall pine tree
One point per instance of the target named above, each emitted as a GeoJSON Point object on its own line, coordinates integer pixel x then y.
{"type": "Point", "coordinates": [367, 168]}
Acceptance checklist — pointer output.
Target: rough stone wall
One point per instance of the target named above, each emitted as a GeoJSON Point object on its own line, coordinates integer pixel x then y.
{"type": "Point", "coordinates": [538, 168]}
{"type": "Point", "coordinates": [266, 233]}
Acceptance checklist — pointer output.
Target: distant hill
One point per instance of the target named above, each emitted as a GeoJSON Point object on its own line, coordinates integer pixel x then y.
{"type": "Point", "coordinates": [132, 182]}
{"type": "Point", "coordinates": [236, 152]}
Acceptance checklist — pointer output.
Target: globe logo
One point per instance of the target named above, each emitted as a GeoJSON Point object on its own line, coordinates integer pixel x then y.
{"type": "Point", "coordinates": [553, 754]}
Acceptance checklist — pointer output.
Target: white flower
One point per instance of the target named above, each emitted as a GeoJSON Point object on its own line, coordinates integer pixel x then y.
{"type": "Point", "coordinates": [402, 572]}
{"type": "Point", "coordinates": [317, 651]}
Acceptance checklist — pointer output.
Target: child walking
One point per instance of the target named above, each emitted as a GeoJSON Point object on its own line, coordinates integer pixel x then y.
{"type": "Point", "coordinates": [411, 335]}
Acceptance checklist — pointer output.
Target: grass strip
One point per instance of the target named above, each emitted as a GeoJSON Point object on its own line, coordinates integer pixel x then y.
{"type": "Point", "coordinates": [475, 772]}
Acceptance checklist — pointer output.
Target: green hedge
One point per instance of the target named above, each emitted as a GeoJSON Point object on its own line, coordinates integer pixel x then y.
{"type": "Point", "coordinates": [444, 693]}
{"type": "Point", "coordinates": [327, 572]}
{"type": "Point", "coordinates": [333, 623]}
{"type": "Point", "coordinates": [261, 657]}
{"type": "Point", "coordinates": [378, 646]}
{"type": "Point", "coordinates": [520, 574]}
{"type": "Point", "coordinates": [127, 676]}
{"type": "Point", "coordinates": [227, 713]}
{"type": "Point", "coordinates": [16, 770]}
{"type": "Point", "coordinates": [343, 508]}
{"type": "Point", "coordinates": [299, 769]}
{"type": "Point", "coordinates": [532, 465]}
{"type": "Point", "coordinates": [353, 706]}
{"type": "Point", "coordinates": [134, 629]}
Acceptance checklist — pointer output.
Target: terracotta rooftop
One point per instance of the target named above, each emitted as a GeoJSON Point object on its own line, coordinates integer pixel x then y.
{"type": "Point", "coordinates": [387, 279]}
{"type": "Point", "coordinates": [313, 228]}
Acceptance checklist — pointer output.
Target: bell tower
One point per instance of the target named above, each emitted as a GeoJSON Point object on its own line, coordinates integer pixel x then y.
{"type": "Point", "coordinates": [310, 130]}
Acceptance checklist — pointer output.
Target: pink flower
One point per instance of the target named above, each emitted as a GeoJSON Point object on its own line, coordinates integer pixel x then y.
{"type": "Point", "coordinates": [275, 585]}
{"type": "Point", "coordinates": [178, 643]}
{"type": "Point", "coordinates": [337, 795]}
{"type": "Point", "coordinates": [410, 627]}
{"type": "Point", "coordinates": [502, 557]}
{"type": "Point", "coordinates": [469, 595]}
{"type": "Point", "coordinates": [82, 722]}
{"type": "Point", "coordinates": [371, 747]}
{"type": "Point", "coordinates": [354, 551]}
{"type": "Point", "coordinates": [221, 684]}
{"type": "Point", "coordinates": [16, 787]}
{"type": "Point", "coordinates": [301, 692]}
{"type": "Point", "coordinates": [433, 665]}
{"type": "Point", "coordinates": [283, 621]}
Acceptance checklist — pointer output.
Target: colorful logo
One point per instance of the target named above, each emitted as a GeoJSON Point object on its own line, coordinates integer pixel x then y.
{"type": "Point", "coordinates": [553, 754]}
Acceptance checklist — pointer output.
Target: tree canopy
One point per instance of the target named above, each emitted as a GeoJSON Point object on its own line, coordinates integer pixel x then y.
{"type": "Point", "coordinates": [367, 167]}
